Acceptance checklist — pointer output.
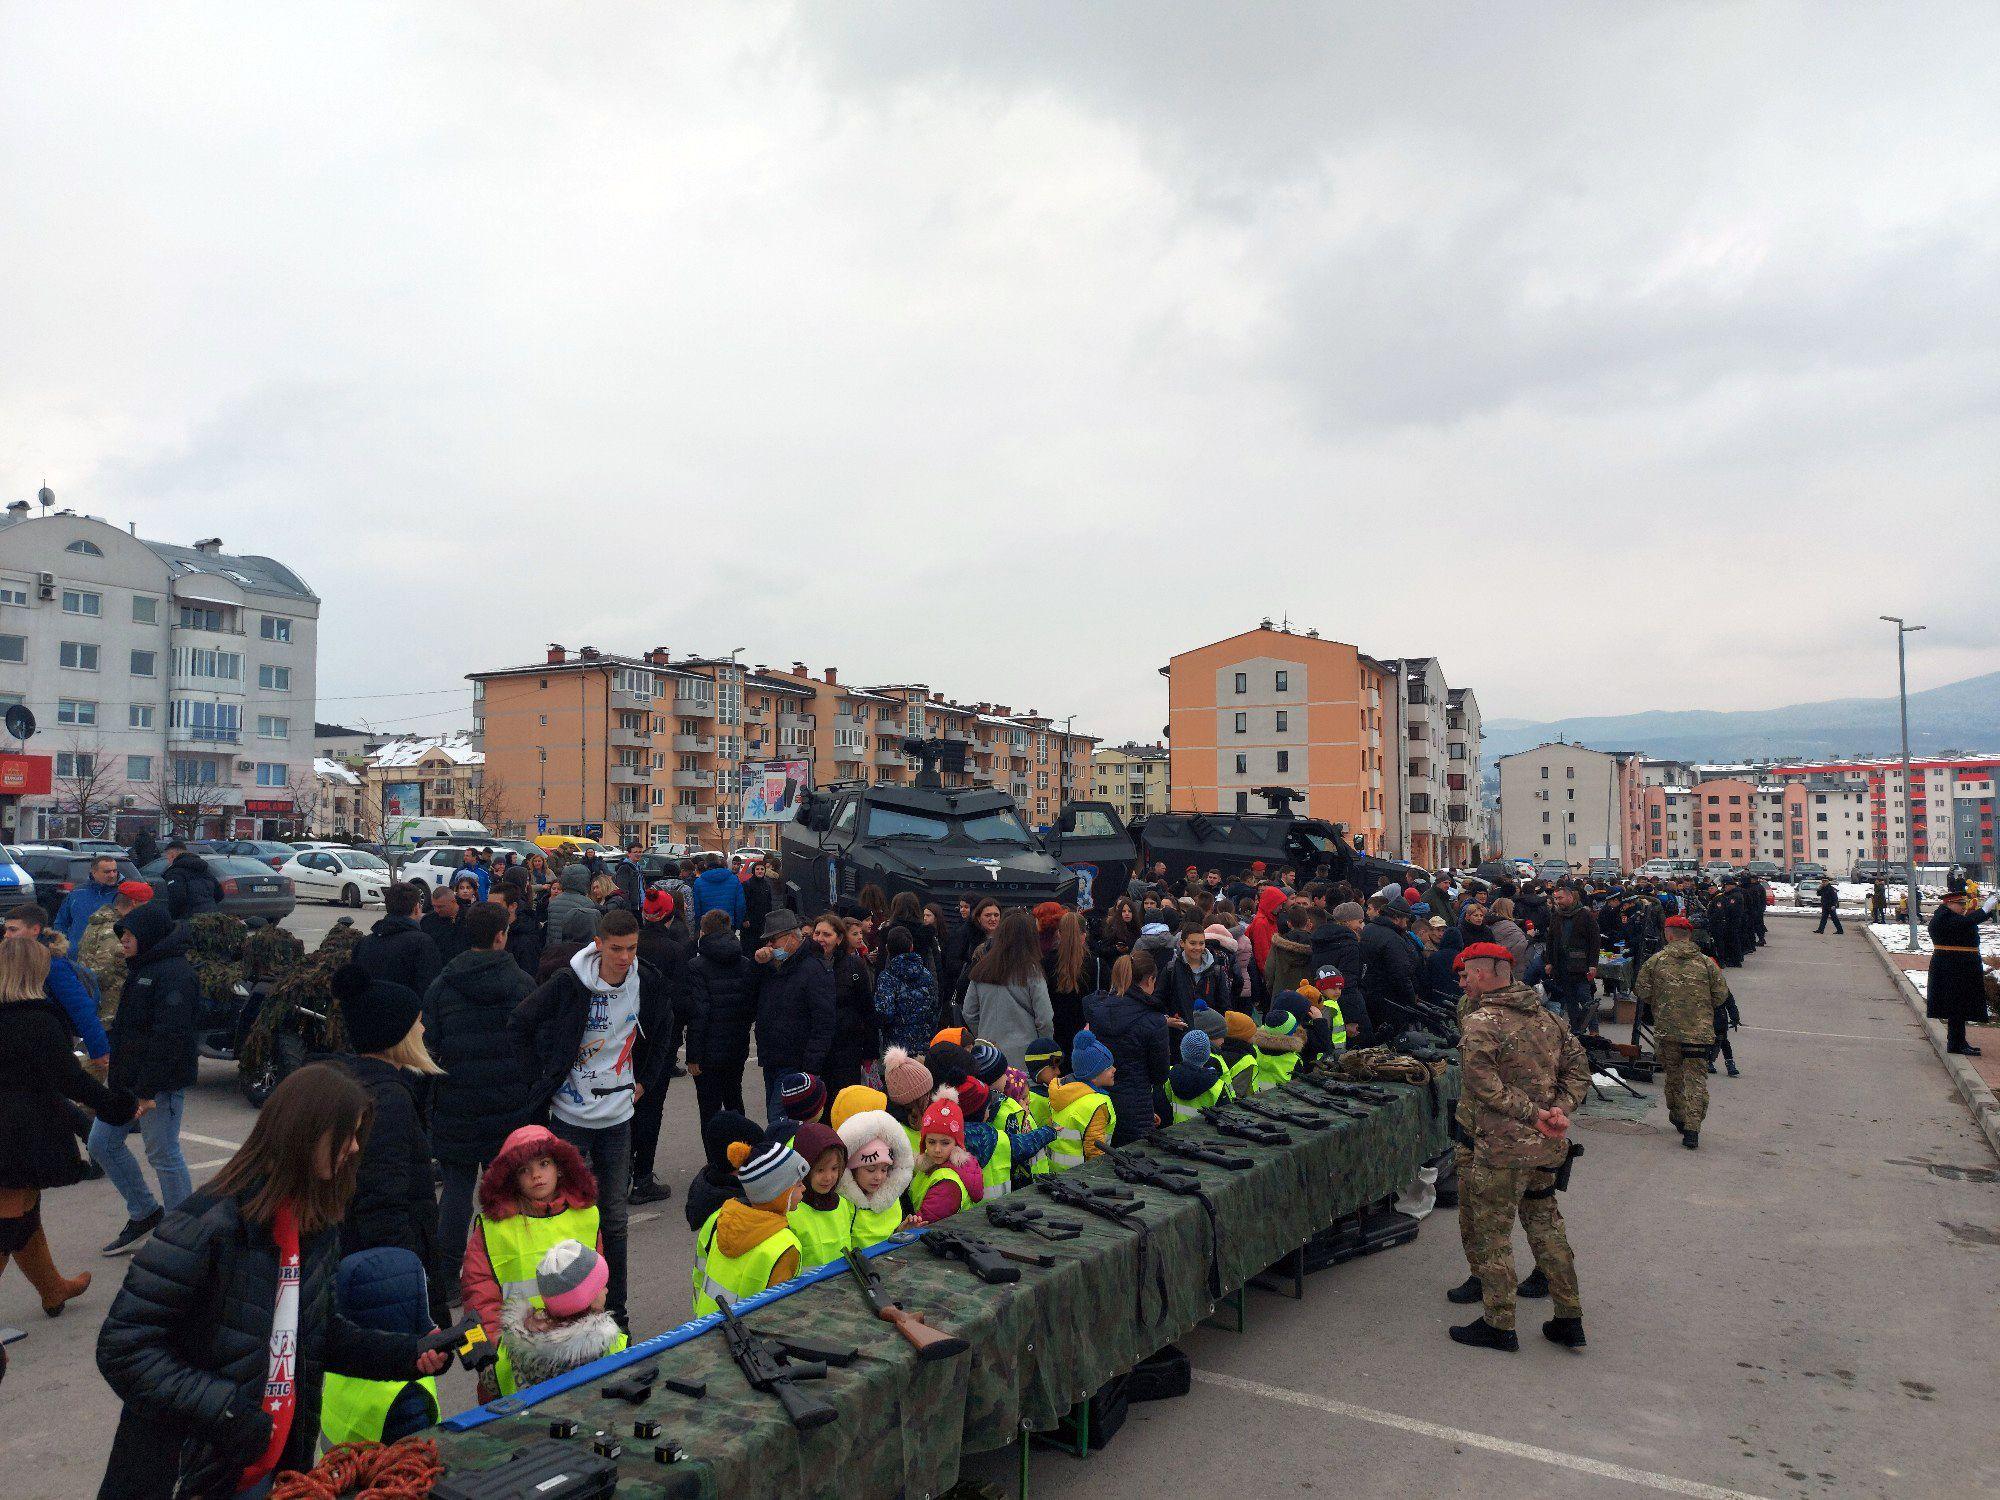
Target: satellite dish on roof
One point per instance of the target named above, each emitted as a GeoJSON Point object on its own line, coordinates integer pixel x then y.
{"type": "Point", "coordinates": [20, 721]}
{"type": "Point", "coordinates": [46, 496]}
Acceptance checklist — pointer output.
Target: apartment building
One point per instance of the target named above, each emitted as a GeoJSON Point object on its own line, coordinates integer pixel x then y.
{"type": "Point", "coordinates": [1132, 778]}
{"type": "Point", "coordinates": [1437, 795]}
{"type": "Point", "coordinates": [172, 686]}
{"type": "Point", "coordinates": [331, 806]}
{"type": "Point", "coordinates": [1276, 707]}
{"type": "Point", "coordinates": [1572, 803]}
{"type": "Point", "coordinates": [652, 746]}
{"type": "Point", "coordinates": [1943, 816]}
{"type": "Point", "coordinates": [439, 776]}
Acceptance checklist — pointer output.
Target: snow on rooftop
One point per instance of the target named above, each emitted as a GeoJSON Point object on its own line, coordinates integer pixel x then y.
{"type": "Point", "coordinates": [412, 752]}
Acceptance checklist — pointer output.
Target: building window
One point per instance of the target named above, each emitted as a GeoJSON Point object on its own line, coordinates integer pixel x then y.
{"type": "Point", "coordinates": [1284, 721]}
{"type": "Point", "coordinates": [1545, 773]}
{"type": "Point", "coordinates": [273, 727]}
{"type": "Point", "coordinates": [1569, 773]}
{"type": "Point", "coordinates": [1283, 682]}
{"type": "Point", "coordinates": [76, 602]}
{"type": "Point", "coordinates": [139, 716]}
{"type": "Point", "coordinates": [275, 628]}
{"type": "Point", "coordinates": [145, 664]}
{"type": "Point", "coordinates": [271, 773]}
{"type": "Point", "coordinates": [145, 611]}
{"type": "Point", "coordinates": [84, 549]}
{"type": "Point", "coordinates": [1243, 802]}
{"type": "Point", "coordinates": [76, 711]}
{"type": "Point", "coordinates": [274, 679]}
{"type": "Point", "coordinates": [1243, 723]}
{"type": "Point", "coordinates": [11, 595]}
{"type": "Point", "coordinates": [197, 661]}
{"type": "Point", "coordinates": [1242, 682]}
{"type": "Point", "coordinates": [72, 765]}
{"type": "Point", "coordinates": [202, 617]}
{"type": "Point", "coordinates": [138, 768]}
{"type": "Point", "coordinates": [1242, 765]}
{"type": "Point", "coordinates": [13, 648]}
{"type": "Point", "coordinates": [197, 772]}
{"type": "Point", "coordinates": [1284, 760]}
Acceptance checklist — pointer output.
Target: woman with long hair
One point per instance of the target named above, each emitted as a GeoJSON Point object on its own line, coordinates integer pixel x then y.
{"type": "Point", "coordinates": [853, 998]}
{"type": "Point", "coordinates": [981, 920]}
{"type": "Point", "coordinates": [1121, 926]}
{"type": "Point", "coordinates": [226, 1326]}
{"type": "Point", "coordinates": [39, 1079]}
{"type": "Point", "coordinates": [1006, 994]}
{"type": "Point", "coordinates": [1074, 971]}
{"type": "Point", "coordinates": [1127, 1019]}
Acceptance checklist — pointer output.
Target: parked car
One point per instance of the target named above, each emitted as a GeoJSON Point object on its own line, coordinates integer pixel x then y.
{"type": "Point", "coordinates": [1764, 869]}
{"type": "Point", "coordinates": [737, 857]}
{"type": "Point", "coordinates": [434, 864]}
{"type": "Point", "coordinates": [344, 875]}
{"type": "Point", "coordinates": [269, 851]}
{"type": "Point", "coordinates": [1718, 869]}
{"type": "Point", "coordinates": [1552, 869]}
{"type": "Point", "coordinates": [669, 850]}
{"type": "Point", "coordinates": [571, 844]}
{"type": "Point", "coordinates": [1865, 871]}
{"type": "Point", "coordinates": [250, 888]}
{"type": "Point", "coordinates": [1604, 868]}
{"type": "Point", "coordinates": [17, 886]}
{"type": "Point", "coordinates": [91, 846]}
{"type": "Point", "coordinates": [56, 871]}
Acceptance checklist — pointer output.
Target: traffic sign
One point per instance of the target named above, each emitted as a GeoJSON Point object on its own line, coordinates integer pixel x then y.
{"type": "Point", "coordinates": [541, 825]}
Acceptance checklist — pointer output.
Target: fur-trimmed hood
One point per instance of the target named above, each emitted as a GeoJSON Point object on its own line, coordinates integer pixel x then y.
{"type": "Point", "coordinates": [541, 1353]}
{"type": "Point", "coordinates": [1266, 1040]}
{"type": "Point", "coordinates": [877, 1124]}
{"type": "Point", "coordinates": [576, 1185]}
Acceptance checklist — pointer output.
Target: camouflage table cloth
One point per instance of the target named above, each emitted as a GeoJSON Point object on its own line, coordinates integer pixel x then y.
{"type": "Point", "coordinates": [1039, 1346]}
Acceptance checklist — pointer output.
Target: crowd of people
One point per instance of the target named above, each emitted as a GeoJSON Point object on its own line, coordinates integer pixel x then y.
{"type": "Point", "coordinates": [510, 1040]}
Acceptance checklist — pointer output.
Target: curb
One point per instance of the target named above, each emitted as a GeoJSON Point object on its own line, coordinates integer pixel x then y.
{"type": "Point", "coordinates": [1971, 1087]}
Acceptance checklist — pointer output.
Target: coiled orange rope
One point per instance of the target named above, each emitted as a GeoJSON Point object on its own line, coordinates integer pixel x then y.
{"type": "Point", "coordinates": [403, 1470]}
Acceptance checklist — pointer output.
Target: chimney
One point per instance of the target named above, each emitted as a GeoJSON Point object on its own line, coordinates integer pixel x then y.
{"type": "Point", "coordinates": [799, 669]}
{"type": "Point", "coordinates": [658, 656]}
{"type": "Point", "coordinates": [557, 654]}
{"type": "Point", "coordinates": [832, 677]}
{"type": "Point", "coordinates": [588, 653]}
{"type": "Point", "coordinates": [209, 545]}
{"type": "Point", "coordinates": [760, 669]}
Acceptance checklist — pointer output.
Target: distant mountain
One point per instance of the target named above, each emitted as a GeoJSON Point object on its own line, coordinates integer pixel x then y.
{"type": "Point", "coordinates": [1958, 716]}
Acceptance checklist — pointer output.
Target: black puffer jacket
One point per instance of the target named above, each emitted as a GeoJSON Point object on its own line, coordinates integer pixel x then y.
{"type": "Point", "coordinates": [1333, 946]}
{"type": "Point", "coordinates": [1389, 973]}
{"type": "Point", "coordinates": [1135, 1030]}
{"type": "Point", "coordinates": [153, 1036]}
{"type": "Point", "coordinates": [447, 935]}
{"type": "Point", "coordinates": [398, 950]}
{"type": "Point", "coordinates": [395, 1206]}
{"type": "Point", "coordinates": [722, 1002]}
{"type": "Point", "coordinates": [855, 1037]}
{"type": "Point", "coordinates": [191, 887]}
{"type": "Point", "coordinates": [188, 1340]}
{"type": "Point", "coordinates": [38, 1071]}
{"type": "Point", "coordinates": [1179, 987]}
{"type": "Point", "coordinates": [482, 1097]}
{"type": "Point", "coordinates": [795, 1012]}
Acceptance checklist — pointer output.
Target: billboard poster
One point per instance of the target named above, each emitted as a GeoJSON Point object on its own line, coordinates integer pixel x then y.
{"type": "Point", "coordinates": [771, 789]}
{"type": "Point", "coordinates": [402, 799]}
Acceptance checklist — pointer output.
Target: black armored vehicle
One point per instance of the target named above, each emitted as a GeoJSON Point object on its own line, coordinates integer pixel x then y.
{"type": "Point", "coordinates": [942, 843]}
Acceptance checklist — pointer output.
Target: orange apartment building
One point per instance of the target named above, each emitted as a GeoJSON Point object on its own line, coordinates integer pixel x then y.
{"type": "Point", "coordinates": [651, 747]}
{"type": "Point", "coordinates": [1271, 707]}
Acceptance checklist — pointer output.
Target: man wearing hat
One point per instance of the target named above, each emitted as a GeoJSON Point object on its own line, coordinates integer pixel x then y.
{"type": "Point", "coordinates": [1956, 994]}
{"type": "Point", "coordinates": [1522, 1075]}
{"type": "Point", "coordinates": [1684, 987]}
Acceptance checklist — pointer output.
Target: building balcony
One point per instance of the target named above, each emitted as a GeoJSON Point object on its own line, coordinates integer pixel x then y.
{"type": "Point", "coordinates": [687, 708]}
{"type": "Point", "coordinates": [695, 744]}
{"type": "Point", "coordinates": [694, 778]}
{"type": "Point", "coordinates": [212, 794]}
{"type": "Point", "coordinates": [795, 721]}
{"type": "Point", "coordinates": [630, 739]}
{"type": "Point", "coordinates": [222, 739]}
{"type": "Point", "coordinates": [850, 754]}
{"type": "Point", "coordinates": [629, 775]}
{"type": "Point", "coordinates": [694, 815]}
{"type": "Point", "coordinates": [208, 687]}
{"type": "Point", "coordinates": [892, 760]}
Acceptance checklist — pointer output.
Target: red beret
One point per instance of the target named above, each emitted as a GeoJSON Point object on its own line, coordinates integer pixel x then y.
{"type": "Point", "coordinates": [1679, 922]}
{"type": "Point", "coordinates": [1256, 864]}
{"type": "Point", "coordinates": [1471, 951]}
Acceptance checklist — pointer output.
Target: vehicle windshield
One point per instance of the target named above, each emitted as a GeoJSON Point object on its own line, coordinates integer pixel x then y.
{"type": "Point", "coordinates": [897, 823]}
{"type": "Point", "coordinates": [354, 859]}
{"type": "Point", "coordinates": [1319, 841]}
{"type": "Point", "coordinates": [997, 827]}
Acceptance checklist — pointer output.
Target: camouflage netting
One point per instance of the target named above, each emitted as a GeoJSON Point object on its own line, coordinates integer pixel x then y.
{"type": "Point", "coordinates": [215, 949]}
{"type": "Point", "coordinates": [1039, 1346]}
{"type": "Point", "coordinates": [269, 952]}
{"type": "Point", "coordinates": [307, 985]}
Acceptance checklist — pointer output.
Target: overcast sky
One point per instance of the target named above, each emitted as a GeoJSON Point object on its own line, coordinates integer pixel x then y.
{"type": "Point", "coordinates": [1622, 356]}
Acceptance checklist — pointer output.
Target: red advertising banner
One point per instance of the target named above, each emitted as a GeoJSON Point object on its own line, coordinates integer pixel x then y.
{"type": "Point", "coordinates": [25, 775]}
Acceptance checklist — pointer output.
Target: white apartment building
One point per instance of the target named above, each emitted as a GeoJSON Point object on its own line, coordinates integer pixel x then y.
{"type": "Point", "coordinates": [1571, 803]}
{"type": "Point", "coordinates": [1437, 818]}
{"type": "Point", "coordinates": [172, 686]}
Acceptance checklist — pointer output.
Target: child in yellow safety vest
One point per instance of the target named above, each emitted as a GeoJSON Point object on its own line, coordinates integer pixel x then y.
{"type": "Point", "coordinates": [823, 1220]}
{"type": "Point", "coordinates": [566, 1325]}
{"type": "Point", "coordinates": [748, 1246]}
{"type": "Point", "coordinates": [534, 1194]}
{"type": "Point", "coordinates": [947, 1179]}
{"type": "Point", "coordinates": [1195, 1082]}
{"type": "Point", "coordinates": [1279, 1041]}
{"type": "Point", "coordinates": [1080, 1110]}
{"type": "Point", "coordinates": [909, 1085]}
{"type": "Point", "coordinates": [880, 1166]}
{"type": "Point", "coordinates": [1236, 1054]}
{"type": "Point", "coordinates": [1043, 1063]}
{"type": "Point", "coordinates": [383, 1290]}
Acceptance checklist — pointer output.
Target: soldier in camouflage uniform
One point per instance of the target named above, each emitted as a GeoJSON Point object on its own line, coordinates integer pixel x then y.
{"type": "Point", "coordinates": [1523, 1073]}
{"type": "Point", "coordinates": [1684, 986]}
{"type": "Point", "coordinates": [102, 953]}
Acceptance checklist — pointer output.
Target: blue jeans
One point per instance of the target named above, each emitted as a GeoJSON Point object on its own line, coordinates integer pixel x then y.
{"type": "Point", "coordinates": [160, 1129]}
{"type": "Point", "coordinates": [608, 1150]}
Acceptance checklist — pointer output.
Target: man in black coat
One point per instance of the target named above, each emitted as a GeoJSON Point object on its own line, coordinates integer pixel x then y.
{"type": "Point", "coordinates": [661, 946]}
{"type": "Point", "coordinates": [722, 1008]}
{"type": "Point", "coordinates": [591, 1043]}
{"type": "Point", "coordinates": [483, 1097]}
{"type": "Point", "coordinates": [758, 899]}
{"type": "Point", "coordinates": [627, 876]}
{"type": "Point", "coordinates": [1570, 958]}
{"type": "Point", "coordinates": [191, 887]}
{"type": "Point", "coordinates": [1336, 944]}
{"type": "Point", "coordinates": [440, 923]}
{"type": "Point", "coordinates": [154, 1047]}
{"type": "Point", "coordinates": [1956, 992]}
{"type": "Point", "coordinates": [795, 1015]}
{"type": "Point", "coordinates": [1389, 968]}
{"type": "Point", "coordinates": [1829, 907]}
{"type": "Point", "coordinates": [397, 950]}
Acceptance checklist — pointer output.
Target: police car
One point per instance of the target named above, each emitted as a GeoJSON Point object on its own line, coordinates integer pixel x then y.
{"type": "Point", "coordinates": [17, 886]}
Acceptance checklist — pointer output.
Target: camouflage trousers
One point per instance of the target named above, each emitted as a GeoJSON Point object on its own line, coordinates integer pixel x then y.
{"type": "Point", "coordinates": [1489, 1198]}
{"type": "Point", "coordinates": [1684, 1066]}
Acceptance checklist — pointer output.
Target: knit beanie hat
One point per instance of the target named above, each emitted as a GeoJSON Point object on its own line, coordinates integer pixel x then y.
{"type": "Point", "coordinates": [972, 1098]}
{"type": "Point", "coordinates": [954, 1034]}
{"type": "Point", "coordinates": [724, 1128]}
{"type": "Point", "coordinates": [1279, 1019]}
{"type": "Point", "coordinates": [377, 1013]}
{"type": "Point", "coordinates": [855, 1099]}
{"type": "Point", "coordinates": [949, 1063]}
{"type": "Point", "coordinates": [1347, 911]}
{"type": "Point", "coordinates": [814, 1140]}
{"type": "Point", "coordinates": [1194, 1048]}
{"type": "Point", "coordinates": [988, 1062]}
{"type": "Point", "coordinates": [1041, 1053]}
{"type": "Point", "coordinates": [1088, 1057]}
{"type": "Point", "coordinates": [569, 1277]}
{"type": "Point", "coordinates": [135, 891]}
{"type": "Point", "coordinates": [766, 1172]}
{"type": "Point", "coordinates": [1238, 1026]}
{"type": "Point", "coordinates": [875, 1153]}
{"type": "Point", "coordinates": [904, 1079]}
{"type": "Point", "coordinates": [944, 1118]}
{"type": "Point", "coordinates": [802, 1096]}
{"type": "Point", "coordinates": [1211, 1024]}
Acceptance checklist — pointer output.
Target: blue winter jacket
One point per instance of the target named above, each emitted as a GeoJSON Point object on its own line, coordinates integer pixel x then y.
{"type": "Point", "coordinates": [78, 998]}
{"type": "Point", "coordinates": [906, 1003]}
{"type": "Point", "coordinates": [79, 906]}
{"type": "Point", "coordinates": [718, 890]}
{"type": "Point", "coordinates": [385, 1289]}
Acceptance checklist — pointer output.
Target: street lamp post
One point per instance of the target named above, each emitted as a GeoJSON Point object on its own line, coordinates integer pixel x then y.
{"type": "Point", "coordinates": [1909, 808]}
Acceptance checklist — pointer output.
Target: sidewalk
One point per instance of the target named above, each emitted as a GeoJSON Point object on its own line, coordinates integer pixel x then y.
{"type": "Point", "coordinates": [1976, 1078]}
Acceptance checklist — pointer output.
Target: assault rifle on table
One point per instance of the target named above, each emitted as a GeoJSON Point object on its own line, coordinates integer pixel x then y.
{"type": "Point", "coordinates": [1116, 1204]}
{"type": "Point", "coordinates": [1182, 1182]}
{"type": "Point", "coordinates": [1167, 1142]}
{"type": "Point", "coordinates": [988, 1262]}
{"type": "Point", "coordinates": [1242, 1127]}
{"type": "Point", "coordinates": [1332, 1086]}
{"type": "Point", "coordinates": [1307, 1092]}
{"type": "Point", "coordinates": [1601, 1050]}
{"type": "Point", "coordinates": [1278, 1115]}
{"type": "Point", "coordinates": [1024, 1218]}
{"type": "Point", "coordinates": [771, 1364]}
{"type": "Point", "coordinates": [929, 1343]}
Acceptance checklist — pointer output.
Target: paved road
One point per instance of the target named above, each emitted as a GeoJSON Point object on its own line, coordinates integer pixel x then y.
{"type": "Point", "coordinates": [1804, 1307]}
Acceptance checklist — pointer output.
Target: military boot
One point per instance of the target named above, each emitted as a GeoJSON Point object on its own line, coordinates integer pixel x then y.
{"type": "Point", "coordinates": [1565, 1331]}
{"type": "Point", "coordinates": [1536, 1285]}
{"type": "Point", "coordinates": [1734, 1071]}
{"type": "Point", "coordinates": [1465, 1293]}
{"type": "Point", "coordinates": [1691, 1139]}
{"type": "Point", "coordinates": [1483, 1335]}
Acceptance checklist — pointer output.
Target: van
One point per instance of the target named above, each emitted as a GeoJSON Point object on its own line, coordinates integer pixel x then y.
{"type": "Point", "coordinates": [410, 831]}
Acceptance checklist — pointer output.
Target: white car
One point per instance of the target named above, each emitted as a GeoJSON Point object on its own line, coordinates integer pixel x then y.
{"type": "Point", "coordinates": [349, 876]}
{"type": "Point", "coordinates": [434, 864]}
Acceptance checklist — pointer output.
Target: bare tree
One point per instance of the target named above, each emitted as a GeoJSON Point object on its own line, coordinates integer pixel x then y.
{"type": "Point", "coordinates": [485, 798]}
{"type": "Point", "coordinates": [309, 795]}
{"type": "Point", "coordinates": [184, 805]}
{"type": "Point", "coordinates": [88, 791]}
